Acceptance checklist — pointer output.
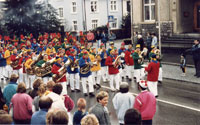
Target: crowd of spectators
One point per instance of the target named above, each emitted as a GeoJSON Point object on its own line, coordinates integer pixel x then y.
{"type": "Point", "coordinates": [44, 104]}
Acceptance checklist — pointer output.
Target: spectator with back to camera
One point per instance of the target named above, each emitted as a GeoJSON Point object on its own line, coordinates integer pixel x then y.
{"type": "Point", "coordinates": [123, 101]}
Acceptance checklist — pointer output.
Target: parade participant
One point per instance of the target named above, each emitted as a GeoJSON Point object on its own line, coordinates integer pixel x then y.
{"type": "Point", "coordinates": [145, 103]}
{"type": "Point", "coordinates": [26, 56]}
{"type": "Point", "coordinates": [153, 50]}
{"type": "Point", "coordinates": [63, 80]}
{"type": "Point", "coordinates": [96, 67]}
{"type": "Point", "coordinates": [50, 50]}
{"type": "Point", "coordinates": [113, 63]}
{"type": "Point", "coordinates": [34, 45]}
{"type": "Point", "coordinates": [10, 89]}
{"type": "Point", "coordinates": [30, 77]}
{"type": "Point", "coordinates": [15, 57]}
{"type": "Point", "coordinates": [111, 47]}
{"type": "Point", "coordinates": [129, 62]}
{"type": "Point", "coordinates": [2, 64]}
{"type": "Point", "coordinates": [137, 63]}
{"type": "Point", "coordinates": [121, 52]}
{"type": "Point", "coordinates": [152, 77]}
{"type": "Point", "coordinates": [42, 63]}
{"type": "Point", "coordinates": [73, 71]}
{"type": "Point", "coordinates": [104, 68]}
{"type": "Point", "coordinates": [85, 73]}
{"type": "Point", "coordinates": [100, 110]}
{"type": "Point", "coordinates": [7, 55]}
{"type": "Point", "coordinates": [123, 101]}
{"type": "Point", "coordinates": [159, 59]}
{"type": "Point", "coordinates": [28, 44]}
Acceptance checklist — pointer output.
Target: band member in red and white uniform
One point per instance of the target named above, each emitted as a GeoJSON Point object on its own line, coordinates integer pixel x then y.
{"type": "Point", "coordinates": [152, 77]}
{"type": "Point", "coordinates": [113, 70]}
{"type": "Point", "coordinates": [86, 74]}
{"type": "Point", "coordinates": [73, 71]}
{"type": "Point", "coordinates": [17, 57]}
{"type": "Point", "coordinates": [63, 81]}
{"type": "Point", "coordinates": [129, 62]}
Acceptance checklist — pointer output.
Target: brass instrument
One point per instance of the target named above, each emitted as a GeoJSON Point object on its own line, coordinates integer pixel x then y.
{"type": "Point", "coordinates": [74, 65]}
{"type": "Point", "coordinates": [31, 71]}
{"type": "Point", "coordinates": [62, 71]}
{"type": "Point", "coordinates": [85, 69]}
{"type": "Point", "coordinates": [45, 69]}
{"type": "Point", "coordinates": [142, 55]}
{"type": "Point", "coordinates": [117, 61]}
{"type": "Point", "coordinates": [15, 64]}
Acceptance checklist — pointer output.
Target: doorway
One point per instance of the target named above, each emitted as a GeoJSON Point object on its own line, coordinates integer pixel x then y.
{"type": "Point", "coordinates": [197, 16]}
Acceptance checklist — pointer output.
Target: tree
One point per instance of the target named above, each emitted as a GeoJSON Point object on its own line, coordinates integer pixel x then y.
{"type": "Point", "coordinates": [29, 16]}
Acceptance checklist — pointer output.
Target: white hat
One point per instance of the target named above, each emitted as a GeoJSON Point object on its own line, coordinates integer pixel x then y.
{"type": "Point", "coordinates": [143, 84]}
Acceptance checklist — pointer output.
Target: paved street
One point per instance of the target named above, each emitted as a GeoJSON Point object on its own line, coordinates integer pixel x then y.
{"type": "Point", "coordinates": [178, 103]}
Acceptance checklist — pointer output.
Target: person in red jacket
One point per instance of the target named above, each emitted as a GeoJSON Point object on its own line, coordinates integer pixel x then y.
{"type": "Point", "coordinates": [63, 80]}
{"type": "Point", "coordinates": [153, 70]}
{"type": "Point", "coordinates": [14, 57]}
{"type": "Point", "coordinates": [145, 103]}
{"type": "Point", "coordinates": [113, 70]}
{"type": "Point", "coordinates": [129, 62]}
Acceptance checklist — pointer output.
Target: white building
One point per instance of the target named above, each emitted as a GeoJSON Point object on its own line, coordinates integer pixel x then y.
{"type": "Point", "coordinates": [84, 15]}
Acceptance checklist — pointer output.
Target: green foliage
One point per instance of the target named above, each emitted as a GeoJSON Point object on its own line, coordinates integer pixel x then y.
{"type": "Point", "coordinates": [28, 16]}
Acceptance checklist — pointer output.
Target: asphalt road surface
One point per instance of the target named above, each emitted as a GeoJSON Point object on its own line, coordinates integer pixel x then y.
{"type": "Point", "coordinates": [178, 102]}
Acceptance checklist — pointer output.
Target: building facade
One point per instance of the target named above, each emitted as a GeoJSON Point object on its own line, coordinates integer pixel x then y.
{"type": "Point", "coordinates": [84, 15]}
{"type": "Point", "coordinates": [176, 16]}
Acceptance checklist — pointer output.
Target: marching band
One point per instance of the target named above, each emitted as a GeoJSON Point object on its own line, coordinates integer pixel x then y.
{"type": "Point", "coordinates": [70, 62]}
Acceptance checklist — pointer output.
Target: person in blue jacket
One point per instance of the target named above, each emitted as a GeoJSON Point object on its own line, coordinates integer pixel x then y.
{"type": "Point", "coordinates": [85, 74]}
{"type": "Point", "coordinates": [73, 71]}
{"type": "Point", "coordinates": [2, 64]}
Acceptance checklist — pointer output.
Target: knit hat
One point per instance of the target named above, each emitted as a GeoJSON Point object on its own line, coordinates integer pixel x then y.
{"type": "Point", "coordinates": [122, 43]}
{"type": "Point", "coordinates": [137, 46]}
{"type": "Point", "coordinates": [111, 43]}
{"type": "Point", "coordinates": [143, 84]}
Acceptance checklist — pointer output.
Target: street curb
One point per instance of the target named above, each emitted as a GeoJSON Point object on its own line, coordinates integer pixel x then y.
{"type": "Point", "coordinates": [176, 64]}
{"type": "Point", "coordinates": [180, 80]}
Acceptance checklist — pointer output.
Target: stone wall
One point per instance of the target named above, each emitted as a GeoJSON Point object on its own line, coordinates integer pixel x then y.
{"type": "Point", "coordinates": [166, 28]}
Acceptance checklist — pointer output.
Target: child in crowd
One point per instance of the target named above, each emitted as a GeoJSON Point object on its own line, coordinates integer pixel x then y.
{"type": "Point", "coordinates": [78, 115]}
{"type": "Point", "coordinates": [183, 64]}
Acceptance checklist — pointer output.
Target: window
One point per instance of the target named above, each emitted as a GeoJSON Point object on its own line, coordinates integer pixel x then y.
{"type": "Point", "coordinates": [94, 6]}
{"type": "Point", "coordinates": [114, 24]}
{"type": "Point", "coordinates": [94, 24]}
{"type": "Point", "coordinates": [149, 10]}
{"type": "Point", "coordinates": [113, 5]}
{"type": "Point", "coordinates": [74, 7]}
{"type": "Point", "coordinates": [74, 25]}
{"type": "Point", "coordinates": [60, 12]}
